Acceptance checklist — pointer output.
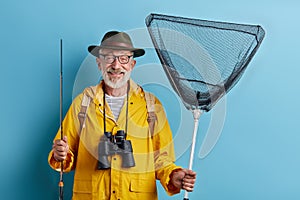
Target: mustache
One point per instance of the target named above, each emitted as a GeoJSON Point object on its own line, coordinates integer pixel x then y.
{"type": "Point", "coordinates": [117, 71]}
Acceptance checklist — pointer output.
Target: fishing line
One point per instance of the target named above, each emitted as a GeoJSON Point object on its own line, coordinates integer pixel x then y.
{"type": "Point", "coordinates": [61, 183]}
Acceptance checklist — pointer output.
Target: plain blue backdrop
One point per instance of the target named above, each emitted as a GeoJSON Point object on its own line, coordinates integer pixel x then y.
{"type": "Point", "coordinates": [257, 154]}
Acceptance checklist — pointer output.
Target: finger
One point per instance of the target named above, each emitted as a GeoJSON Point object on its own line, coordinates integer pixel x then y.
{"type": "Point", "coordinates": [188, 189]}
{"type": "Point", "coordinates": [59, 158]}
{"type": "Point", "coordinates": [190, 173]}
{"type": "Point", "coordinates": [188, 186]}
{"type": "Point", "coordinates": [60, 149]}
{"type": "Point", "coordinates": [60, 155]}
{"type": "Point", "coordinates": [65, 139]}
{"type": "Point", "coordinates": [189, 180]}
{"type": "Point", "coordinates": [59, 143]}
{"type": "Point", "coordinates": [190, 176]}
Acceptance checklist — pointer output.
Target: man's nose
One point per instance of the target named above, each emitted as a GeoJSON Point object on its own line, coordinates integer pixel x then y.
{"type": "Point", "coordinates": [116, 62]}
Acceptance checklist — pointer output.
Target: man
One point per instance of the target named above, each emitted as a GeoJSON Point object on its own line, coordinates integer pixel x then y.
{"type": "Point", "coordinates": [115, 152]}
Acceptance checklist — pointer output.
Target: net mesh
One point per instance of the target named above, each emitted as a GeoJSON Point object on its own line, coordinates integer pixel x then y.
{"type": "Point", "coordinates": [202, 59]}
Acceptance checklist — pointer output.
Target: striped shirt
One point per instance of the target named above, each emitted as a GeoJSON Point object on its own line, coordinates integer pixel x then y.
{"type": "Point", "coordinates": [115, 104]}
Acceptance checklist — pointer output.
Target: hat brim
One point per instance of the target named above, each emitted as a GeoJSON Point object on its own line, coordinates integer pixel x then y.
{"type": "Point", "coordinates": [94, 50]}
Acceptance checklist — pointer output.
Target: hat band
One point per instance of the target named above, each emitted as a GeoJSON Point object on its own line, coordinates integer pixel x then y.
{"type": "Point", "coordinates": [116, 44]}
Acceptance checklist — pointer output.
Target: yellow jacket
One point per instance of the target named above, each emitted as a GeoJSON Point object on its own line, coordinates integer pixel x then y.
{"type": "Point", "coordinates": [154, 155]}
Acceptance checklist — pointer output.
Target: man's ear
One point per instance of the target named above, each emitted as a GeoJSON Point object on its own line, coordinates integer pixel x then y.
{"type": "Point", "coordinates": [132, 64]}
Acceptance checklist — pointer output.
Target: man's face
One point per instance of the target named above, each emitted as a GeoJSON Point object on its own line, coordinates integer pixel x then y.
{"type": "Point", "coordinates": [116, 66]}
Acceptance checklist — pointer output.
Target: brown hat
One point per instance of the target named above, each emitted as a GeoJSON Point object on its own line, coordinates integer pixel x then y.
{"type": "Point", "coordinates": [118, 41]}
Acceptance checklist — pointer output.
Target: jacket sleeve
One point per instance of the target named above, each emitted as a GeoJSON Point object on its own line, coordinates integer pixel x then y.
{"type": "Point", "coordinates": [164, 150]}
{"type": "Point", "coordinates": [70, 129]}
{"type": "Point", "coordinates": [68, 163]}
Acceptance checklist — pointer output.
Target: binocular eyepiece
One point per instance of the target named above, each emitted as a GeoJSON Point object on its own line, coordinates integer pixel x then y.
{"type": "Point", "coordinates": [115, 144]}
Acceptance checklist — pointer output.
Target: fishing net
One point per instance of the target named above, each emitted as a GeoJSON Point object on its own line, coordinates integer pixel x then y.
{"type": "Point", "coordinates": [202, 59]}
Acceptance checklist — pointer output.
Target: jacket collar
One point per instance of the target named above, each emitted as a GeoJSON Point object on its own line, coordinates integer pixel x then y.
{"type": "Point", "coordinates": [96, 92]}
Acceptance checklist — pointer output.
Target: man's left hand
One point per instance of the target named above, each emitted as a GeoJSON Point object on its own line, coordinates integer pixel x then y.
{"type": "Point", "coordinates": [184, 179]}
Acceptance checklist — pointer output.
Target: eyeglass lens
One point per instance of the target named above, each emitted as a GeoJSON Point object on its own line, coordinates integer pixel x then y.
{"type": "Point", "coordinates": [123, 59]}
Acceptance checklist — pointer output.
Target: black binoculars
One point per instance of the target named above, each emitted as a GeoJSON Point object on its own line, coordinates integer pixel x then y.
{"type": "Point", "coordinates": [115, 144]}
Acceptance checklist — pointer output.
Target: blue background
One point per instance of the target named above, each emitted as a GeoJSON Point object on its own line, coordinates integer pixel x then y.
{"type": "Point", "coordinates": [257, 154]}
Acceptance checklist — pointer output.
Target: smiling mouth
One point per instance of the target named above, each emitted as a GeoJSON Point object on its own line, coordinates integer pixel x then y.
{"type": "Point", "coordinates": [115, 72]}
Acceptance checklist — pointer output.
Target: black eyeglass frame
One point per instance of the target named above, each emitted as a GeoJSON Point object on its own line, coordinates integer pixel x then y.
{"type": "Point", "coordinates": [113, 58]}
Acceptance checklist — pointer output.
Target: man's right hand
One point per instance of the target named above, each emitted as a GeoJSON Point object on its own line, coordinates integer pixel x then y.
{"type": "Point", "coordinates": [60, 149]}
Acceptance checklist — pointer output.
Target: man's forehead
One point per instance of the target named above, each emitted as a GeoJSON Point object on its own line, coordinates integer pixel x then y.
{"type": "Point", "coordinates": [114, 52]}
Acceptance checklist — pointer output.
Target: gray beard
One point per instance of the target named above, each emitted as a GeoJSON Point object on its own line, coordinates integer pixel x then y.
{"type": "Point", "coordinates": [118, 83]}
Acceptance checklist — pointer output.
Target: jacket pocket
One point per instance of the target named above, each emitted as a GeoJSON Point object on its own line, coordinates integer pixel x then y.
{"type": "Point", "coordinates": [82, 190]}
{"type": "Point", "coordinates": [87, 190]}
{"type": "Point", "coordinates": [142, 185]}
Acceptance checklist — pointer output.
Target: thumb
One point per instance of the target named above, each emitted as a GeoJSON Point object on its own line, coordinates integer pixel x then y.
{"type": "Point", "coordinates": [65, 139]}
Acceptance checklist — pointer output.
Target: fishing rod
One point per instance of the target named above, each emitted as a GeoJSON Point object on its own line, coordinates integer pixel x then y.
{"type": "Point", "coordinates": [61, 183]}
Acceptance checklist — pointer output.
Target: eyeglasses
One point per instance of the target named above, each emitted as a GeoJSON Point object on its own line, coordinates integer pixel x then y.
{"type": "Point", "coordinates": [109, 59]}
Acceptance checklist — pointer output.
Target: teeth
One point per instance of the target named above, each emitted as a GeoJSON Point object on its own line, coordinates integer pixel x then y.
{"type": "Point", "coordinates": [115, 72]}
